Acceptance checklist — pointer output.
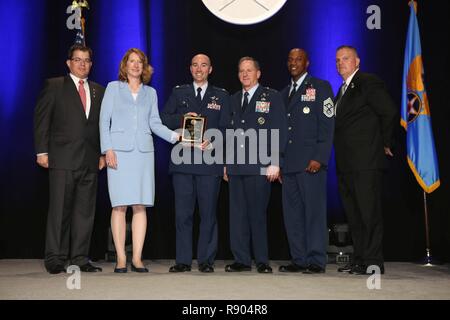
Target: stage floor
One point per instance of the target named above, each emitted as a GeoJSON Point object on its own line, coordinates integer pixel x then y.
{"type": "Point", "coordinates": [27, 279]}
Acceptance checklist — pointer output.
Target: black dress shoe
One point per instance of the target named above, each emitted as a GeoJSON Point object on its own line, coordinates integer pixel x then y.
{"type": "Point", "coordinates": [263, 268]}
{"type": "Point", "coordinates": [313, 269]}
{"type": "Point", "coordinates": [56, 269]}
{"type": "Point", "coordinates": [291, 268]}
{"type": "Point", "coordinates": [120, 270]}
{"type": "Point", "coordinates": [90, 268]}
{"type": "Point", "coordinates": [139, 270]}
{"type": "Point", "coordinates": [359, 269]}
{"type": "Point", "coordinates": [347, 268]}
{"type": "Point", "coordinates": [179, 267]}
{"type": "Point", "coordinates": [237, 267]}
{"type": "Point", "coordinates": [205, 267]}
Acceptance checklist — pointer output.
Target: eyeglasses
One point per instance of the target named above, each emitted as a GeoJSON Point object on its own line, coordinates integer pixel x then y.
{"type": "Point", "coordinates": [79, 60]}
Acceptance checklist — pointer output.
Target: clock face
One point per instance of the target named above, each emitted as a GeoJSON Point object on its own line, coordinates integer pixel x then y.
{"type": "Point", "coordinates": [244, 11]}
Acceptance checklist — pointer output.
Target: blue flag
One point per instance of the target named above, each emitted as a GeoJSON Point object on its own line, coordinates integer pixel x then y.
{"type": "Point", "coordinates": [415, 112]}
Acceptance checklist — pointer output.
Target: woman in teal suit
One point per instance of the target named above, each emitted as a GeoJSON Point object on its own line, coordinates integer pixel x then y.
{"type": "Point", "coordinates": [129, 115]}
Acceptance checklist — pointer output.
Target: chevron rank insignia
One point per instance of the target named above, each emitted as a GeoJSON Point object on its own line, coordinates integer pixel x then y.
{"type": "Point", "coordinates": [328, 108]}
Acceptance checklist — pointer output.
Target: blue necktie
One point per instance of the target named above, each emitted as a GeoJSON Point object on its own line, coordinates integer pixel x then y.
{"type": "Point", "coordinates": [245, 102]}
{"type": "Point", "coordinates": [199, 96]}
{"type": "Point", "coordinates": [294, 86]}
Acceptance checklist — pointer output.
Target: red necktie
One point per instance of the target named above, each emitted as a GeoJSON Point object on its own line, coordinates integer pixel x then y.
{"type": "Point", "coordinates": [82, 94]}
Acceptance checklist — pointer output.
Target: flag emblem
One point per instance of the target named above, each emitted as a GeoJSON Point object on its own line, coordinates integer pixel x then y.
{"type": "Point", "coordinates": [415, 112]}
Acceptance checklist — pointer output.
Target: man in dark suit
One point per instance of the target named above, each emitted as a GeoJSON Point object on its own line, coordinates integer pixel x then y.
{"type": "Point", "coordinates": [365, 120]}
{"type": "Point", "coordinates": [194, 180]}
{"type": "Point", "coordinates": [254, 156]}
{"type": "Point", "coordinates": [66, 135]}
{"type": "Point", "coordinates": [310, 111]}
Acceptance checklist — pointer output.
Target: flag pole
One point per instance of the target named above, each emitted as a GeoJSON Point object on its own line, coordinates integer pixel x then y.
{"type": "Point", "coordinates": [428, 258]}
{"type": "Point", "coordinates": [81, 36]}
{"type": "Point", "coordinates": [413, 82]}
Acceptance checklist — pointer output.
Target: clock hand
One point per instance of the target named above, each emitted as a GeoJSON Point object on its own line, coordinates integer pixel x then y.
{"type": "Point", "coordinates": [260, 4]}
{"type": "Point", "coordinates": [227, 5]}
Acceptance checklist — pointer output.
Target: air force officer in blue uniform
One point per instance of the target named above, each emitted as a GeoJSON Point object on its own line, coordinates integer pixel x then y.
{"type": "Point", "coordinates": [255, 111]}
{"type": "Point", "coordinates": [310, 112]}
{"type": "Point", "coordinates": [195, 181]}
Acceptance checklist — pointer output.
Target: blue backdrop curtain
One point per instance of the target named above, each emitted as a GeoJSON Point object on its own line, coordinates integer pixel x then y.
{"type": "Point", "coordinates": [34, 45]}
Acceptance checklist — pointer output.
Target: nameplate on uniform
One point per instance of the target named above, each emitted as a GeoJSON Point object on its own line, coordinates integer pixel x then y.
{"type": "Point", "coordinates": [193, 128]}
{"type": "Point", "coordinates": [262, 106]}
{"type": "Point", "coordinates": [310, 95]}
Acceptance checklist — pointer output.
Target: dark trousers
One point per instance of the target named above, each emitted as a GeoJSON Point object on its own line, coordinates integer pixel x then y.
{"type": "Point", "coordinates": [361, 196]}
{"type": "Point", "coordinates": [249, 197]}
{"type": "Point", "coordinates": [188, 190]}
{"type": "Point", "coordinates": [305, 216]}
{"type": "Point", "coordinates": [70, 217]}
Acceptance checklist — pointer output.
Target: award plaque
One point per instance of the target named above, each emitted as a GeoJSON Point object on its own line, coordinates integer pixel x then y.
{"type": "Point", "coordinates": [193, 129]}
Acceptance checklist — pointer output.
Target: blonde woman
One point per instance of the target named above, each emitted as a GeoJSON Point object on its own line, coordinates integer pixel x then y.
{"type": "Point", "coordinates": [128, 117]}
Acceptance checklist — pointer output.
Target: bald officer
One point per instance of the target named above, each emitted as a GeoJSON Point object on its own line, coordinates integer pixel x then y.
{"type": "Point", "coordinates": [310, 112]}
{"type": "Point", "coordinates": [195, 181]}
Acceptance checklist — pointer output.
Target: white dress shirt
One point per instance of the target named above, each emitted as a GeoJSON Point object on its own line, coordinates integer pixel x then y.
{"type": "Point", "coordinates": [298, 82]}
{"type": "Point", "coordinates": [204, 87]}
{"type": "Point", "coordinates": [251, 92]}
